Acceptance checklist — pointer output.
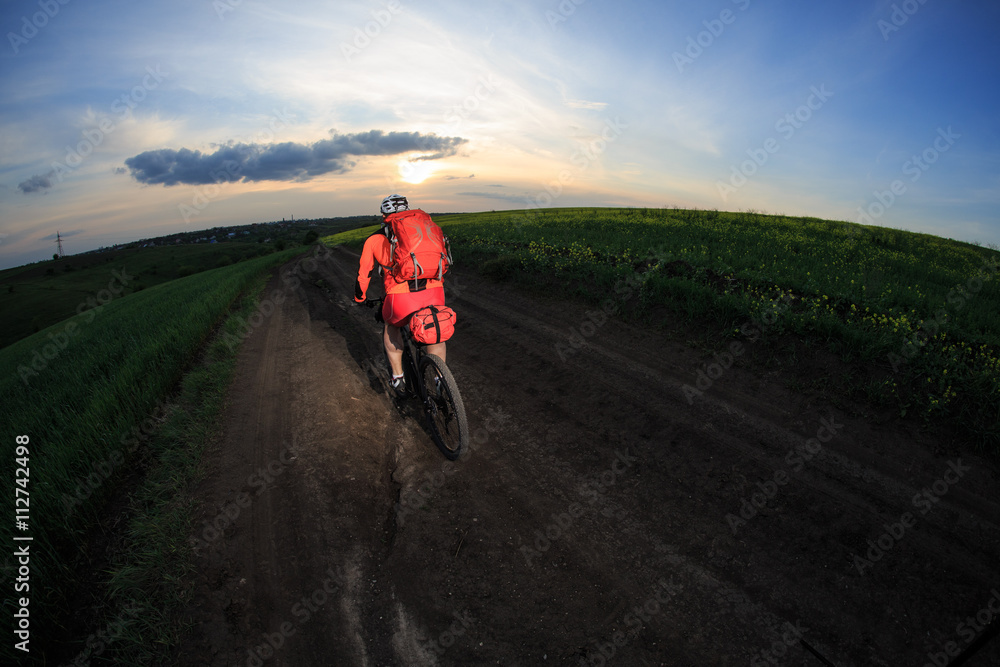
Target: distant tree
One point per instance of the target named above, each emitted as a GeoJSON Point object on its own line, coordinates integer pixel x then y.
{"type": "Point", "coordinates": [310, 237]}
{"type": "Point", "coordinates": [55, 255]}
{"type": "Point", "coordinates": [280, 244]}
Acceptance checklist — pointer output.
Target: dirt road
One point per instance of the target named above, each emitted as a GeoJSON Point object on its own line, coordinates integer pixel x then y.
{"type": "Point", "coordinates": [606, 514]}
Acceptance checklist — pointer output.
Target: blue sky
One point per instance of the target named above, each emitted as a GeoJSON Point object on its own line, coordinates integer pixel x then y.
{"type": "Point", "coordinates": [123, 120]}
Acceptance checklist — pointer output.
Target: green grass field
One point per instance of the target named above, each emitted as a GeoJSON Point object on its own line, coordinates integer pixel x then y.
{"type": "Point", "coordinates": [921, 312]}
{"type": "Point", "coordinates": [36, 296]}
{"type": "Point", "coordinates": [87, 391]}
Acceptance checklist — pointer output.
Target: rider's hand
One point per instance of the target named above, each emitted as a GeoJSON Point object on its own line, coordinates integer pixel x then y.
{"type": "Point", "coordinates": [376, 304]}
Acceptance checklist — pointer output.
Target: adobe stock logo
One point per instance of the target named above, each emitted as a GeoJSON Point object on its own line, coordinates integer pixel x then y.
{"type": "Point", "coordinates": [786, 126]}
{"type": "Point", "coordinates": [696, 44]}
{"type": "Point", "coordinates": [38, 20]}
{"type": "Point", "coordinates": [381, 18]}
{"type": "Point", "coordinates": [915, 167]}
{"type": "Point", "coordinates": [899, 16]}
{"type": "Point", "coordinates": [566, 9]}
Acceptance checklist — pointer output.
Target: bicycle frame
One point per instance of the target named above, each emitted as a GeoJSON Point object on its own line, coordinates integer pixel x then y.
{"type": "Point", "coordinates": [412, 353]}
{"type": "Point", "coordinates": [444, 410]}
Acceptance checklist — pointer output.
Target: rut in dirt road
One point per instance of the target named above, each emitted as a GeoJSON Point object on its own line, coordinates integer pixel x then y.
{"type": "Point", "coordinates": [600, 516]}
{"type": "Point", "coordinates": [298, 501]}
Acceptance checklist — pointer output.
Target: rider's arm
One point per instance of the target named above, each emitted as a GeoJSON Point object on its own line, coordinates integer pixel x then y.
{"type": "Point", "coordinates": [370, 254]}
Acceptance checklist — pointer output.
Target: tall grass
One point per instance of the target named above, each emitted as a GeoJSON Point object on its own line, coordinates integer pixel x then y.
{"type": "Point", "coordinates": [83, 411]}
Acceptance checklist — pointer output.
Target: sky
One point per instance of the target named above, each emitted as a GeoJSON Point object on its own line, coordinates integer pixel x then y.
{"type": "Point", "coordinates": [124, 120]}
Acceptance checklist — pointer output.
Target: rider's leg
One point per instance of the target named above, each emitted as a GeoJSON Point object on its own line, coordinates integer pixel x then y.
{"type": "Point", "coordinates": [393, 341]}
{"type": "Point", "coordinates": [438, 350]}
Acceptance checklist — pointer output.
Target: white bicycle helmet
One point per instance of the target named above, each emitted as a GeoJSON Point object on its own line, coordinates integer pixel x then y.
{"type": "Point", "coordinates": [394, 203]}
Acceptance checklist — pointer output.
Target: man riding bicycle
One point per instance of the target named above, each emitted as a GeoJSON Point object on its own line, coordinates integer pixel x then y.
{"type": "Point", "coordinates": [402, 298]}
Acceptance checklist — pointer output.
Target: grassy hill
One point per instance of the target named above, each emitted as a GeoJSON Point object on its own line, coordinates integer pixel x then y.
{"type": "Point", "coordinates": [88, 392]}
{"type": "Point", "coordinates": [36, 296]}
{"type": "Point", "coordinates": [919, 313]}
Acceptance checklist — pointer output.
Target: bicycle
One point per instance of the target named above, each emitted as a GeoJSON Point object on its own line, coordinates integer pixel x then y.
{"type": "Point", "coordinates": [436, 389]}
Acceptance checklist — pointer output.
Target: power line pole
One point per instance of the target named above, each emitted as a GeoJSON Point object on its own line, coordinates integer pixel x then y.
{"type": "Point", "coordinates": [59, 244]}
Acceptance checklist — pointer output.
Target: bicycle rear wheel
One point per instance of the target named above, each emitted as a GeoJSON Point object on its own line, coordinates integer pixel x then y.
{"type": "Point", "coordinates": [445, 411]}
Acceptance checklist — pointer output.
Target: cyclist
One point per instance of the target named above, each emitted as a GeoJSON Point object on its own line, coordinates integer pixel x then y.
{"type": "Point", "coordinates": [402, 299]}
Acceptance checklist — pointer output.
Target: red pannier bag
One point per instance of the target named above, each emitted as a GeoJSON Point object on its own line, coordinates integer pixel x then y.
{"type": "Point", "coordinates": [433, 324]}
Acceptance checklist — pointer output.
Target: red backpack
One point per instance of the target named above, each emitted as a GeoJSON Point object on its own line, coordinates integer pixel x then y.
{"type": "Point", "coordinates": [420, 250]}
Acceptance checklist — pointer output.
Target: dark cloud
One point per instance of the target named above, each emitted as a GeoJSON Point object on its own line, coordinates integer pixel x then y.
{"type": "Point", "coordinates": [282, 162]}
{"type": "Point", "coordinates": [36, 183]}
{"type": "Point", "coordinates": [455, 178]}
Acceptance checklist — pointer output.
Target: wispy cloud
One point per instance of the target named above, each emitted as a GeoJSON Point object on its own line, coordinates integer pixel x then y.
{"type": "Point", "coordinates": [522, 199]}
{"type": "Point", "coordinates": [286, 161]}
{"type": "Point", "coordinates": [584, 104]}
{"type": "Point", "coordinates": [65, 235]}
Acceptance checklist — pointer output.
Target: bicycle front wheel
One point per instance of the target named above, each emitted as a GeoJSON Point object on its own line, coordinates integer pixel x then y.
{"type": "Point", "coordinates": [443, 406]}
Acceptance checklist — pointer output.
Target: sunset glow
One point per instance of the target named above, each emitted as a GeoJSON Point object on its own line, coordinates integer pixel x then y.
{"type": "Point", "coordinates": [117, 119]}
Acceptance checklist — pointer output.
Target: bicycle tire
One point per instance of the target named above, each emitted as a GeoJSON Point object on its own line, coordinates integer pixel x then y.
{"type": "Point", "coordinates": [444, 410]}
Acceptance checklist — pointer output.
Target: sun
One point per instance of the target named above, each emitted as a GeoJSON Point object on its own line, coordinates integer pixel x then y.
{"type": "Point", "coordinates": [415, 171]}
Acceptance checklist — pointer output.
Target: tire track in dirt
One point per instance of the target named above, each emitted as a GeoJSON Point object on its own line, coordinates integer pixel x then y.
{"type": "Point", "coordinates": [826, 475]}
{"type": "Point", "coordinates": [843, 473]}
{"type": "Point", "coordinates": [297, 496]}
{"type": "Point", "coordinates": [855, 470]}
{"type": "Point", "coordinates": [627, 485]}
